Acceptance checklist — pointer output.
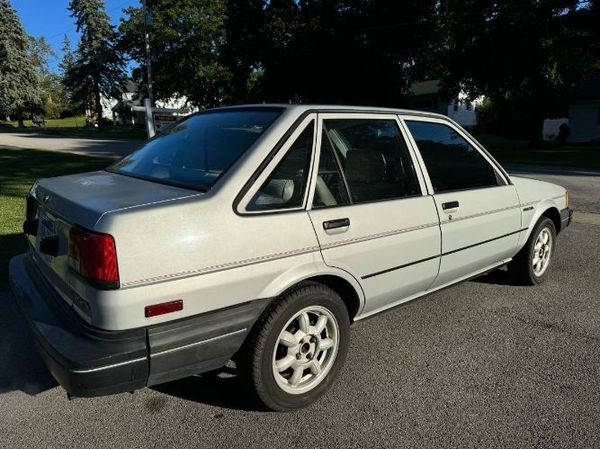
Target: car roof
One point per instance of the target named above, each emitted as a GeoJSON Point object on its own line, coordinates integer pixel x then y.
{"type": "Point", "coordinates": [302, 108]}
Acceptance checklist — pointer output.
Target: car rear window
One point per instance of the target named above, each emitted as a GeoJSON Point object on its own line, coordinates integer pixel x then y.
{"type": "Point", "coordinates": [193, 153]}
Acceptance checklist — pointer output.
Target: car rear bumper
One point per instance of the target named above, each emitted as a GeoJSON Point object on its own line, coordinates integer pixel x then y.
{"type": "Point", "coordinates": [566, 216]}
{"type": "Point", "coordinates": [88, 361]}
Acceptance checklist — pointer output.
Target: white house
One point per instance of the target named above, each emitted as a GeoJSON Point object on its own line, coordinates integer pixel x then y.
{"type": "Point", "coordinates": [129, 109]}
{"type": "Point", "coordinates": [584, 112]}
{"type": "Point", "coordinates": [426, 96]}
{"type": "Point", "coordinates": [551, 128]}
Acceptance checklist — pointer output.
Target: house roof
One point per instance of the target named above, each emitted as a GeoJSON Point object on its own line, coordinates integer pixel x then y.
{"type": "Point", "coordinates": [430, 87]}
{"type": "Point", "coordinates": [126, 104]}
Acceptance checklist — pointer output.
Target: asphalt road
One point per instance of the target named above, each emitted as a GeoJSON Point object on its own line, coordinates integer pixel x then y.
{"type": "Point", "coordinates": [115, 148]}
{"type": "Point", "coordinates": [481, 364]}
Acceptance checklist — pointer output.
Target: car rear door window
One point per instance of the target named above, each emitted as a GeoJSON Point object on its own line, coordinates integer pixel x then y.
{"type": "Point", "coordinates": [451, 161]}
{"type": "Point", "coordinates": [374, 158]}
{"type": "Point", "coordinates": [285, 186]}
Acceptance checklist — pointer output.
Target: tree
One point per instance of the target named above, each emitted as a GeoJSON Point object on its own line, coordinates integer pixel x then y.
{"type": "Point", "coordinates": [186, 37]}
{"type": "Point", "coordinates": [19, 88]}
{"type": "Point", "coordinates": [70, 104]}
{"type": "Point", "coordinates": [53, 100]}
{"type": "Point", "coordinates": [232, 51]}
{"type": "Point", "coordinates": [68, 60]}
{"type": "Point", "coordinates": [39, 51]}
{"type": "Point", "coordinates": [341, 51]}
{"type": "Point", "coordinates": [241, 51]}
{"type": "Point", "coordinates": [526, 56]}
{"type": "Point", "coordinates": [97, 69]}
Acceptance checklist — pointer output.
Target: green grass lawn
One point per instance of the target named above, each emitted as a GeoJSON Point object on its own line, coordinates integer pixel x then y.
{"type": "Point", "coordinates": [543, 154]}
{"type": "Point", "coordinates": [75, 127]}
{"type": "Point", "coordinates": [20, 168]}
{"type": "Point", "coordinates": [68, 122]}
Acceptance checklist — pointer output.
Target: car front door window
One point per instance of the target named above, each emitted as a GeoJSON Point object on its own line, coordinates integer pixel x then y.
{"type": "Point", "coordinates": [451, 161]}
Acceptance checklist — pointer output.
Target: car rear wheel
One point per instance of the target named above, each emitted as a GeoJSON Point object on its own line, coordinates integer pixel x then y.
{"type": "Point", "coordinates": [531, 265]}
{"type": "Point", "coordinates": [297, 349]}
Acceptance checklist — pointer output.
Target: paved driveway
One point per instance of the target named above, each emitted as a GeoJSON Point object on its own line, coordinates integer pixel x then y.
{"type": "Point", "coordinates": [92, 147]}
{"type": "Point", "coordinates": [483, 364]}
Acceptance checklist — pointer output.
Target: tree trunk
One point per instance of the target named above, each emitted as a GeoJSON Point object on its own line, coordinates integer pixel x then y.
{"type": "Point", "coordinates": [20, 119]}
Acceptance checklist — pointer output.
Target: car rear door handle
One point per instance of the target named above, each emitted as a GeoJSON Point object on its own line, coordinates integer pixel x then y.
{"type": "Point", "coordinates": [450, 205]}
{"type": "Point", "coordinates": [338, 223]}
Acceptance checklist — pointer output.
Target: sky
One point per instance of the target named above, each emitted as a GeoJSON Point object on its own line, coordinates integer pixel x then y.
{"type": "Point", "coordinates": [51, 19]}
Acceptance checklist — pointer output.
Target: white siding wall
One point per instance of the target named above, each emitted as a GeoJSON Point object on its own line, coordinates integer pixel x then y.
{"type": "Point", "coordinates": [466, 112]}
{"type": "Point", "coordinates": [584, 121]}
{"type": "Point", "coordinates": [551, 128]}
{"type": "Point", "coordinates": [107, 105]}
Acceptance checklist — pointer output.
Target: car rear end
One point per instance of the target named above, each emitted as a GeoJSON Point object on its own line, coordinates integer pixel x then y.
{"type": "Point", "coordinates": [71, 272]}
{"type": "Point", "coordinates": [96, 335]}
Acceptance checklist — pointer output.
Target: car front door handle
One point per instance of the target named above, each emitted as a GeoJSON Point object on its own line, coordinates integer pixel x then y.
{"type": "Point", "coordinates": [338, 223]}
{"type": "Point", "coordinates": [450, 205]}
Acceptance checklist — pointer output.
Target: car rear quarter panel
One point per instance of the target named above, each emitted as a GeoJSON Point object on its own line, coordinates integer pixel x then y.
{"type": "Point", "coordinates": [202, 252]}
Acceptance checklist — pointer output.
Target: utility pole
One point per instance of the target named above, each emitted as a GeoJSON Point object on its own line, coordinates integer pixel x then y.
{"type": "Point", "coordinates": [150, 103]}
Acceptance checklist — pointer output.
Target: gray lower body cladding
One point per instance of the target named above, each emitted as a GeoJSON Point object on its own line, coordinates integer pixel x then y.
{"type": "Point", "coordinates": [88, 361]}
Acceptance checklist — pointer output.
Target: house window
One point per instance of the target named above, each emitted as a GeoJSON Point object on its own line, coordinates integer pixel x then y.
{"type": "Point", "coordinates": [468, 105]}
{"type": "Point", "coordinates": [456, 105]}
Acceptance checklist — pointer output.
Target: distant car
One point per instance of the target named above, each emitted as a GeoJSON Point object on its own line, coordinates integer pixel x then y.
{"type": "Point", "coordinates": [259, 234]}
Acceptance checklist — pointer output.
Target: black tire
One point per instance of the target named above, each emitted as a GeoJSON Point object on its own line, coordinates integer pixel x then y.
{"type": "Point", "coordinates": [256, 357]}
{"type": "Point", "coordinates": [521, 267]}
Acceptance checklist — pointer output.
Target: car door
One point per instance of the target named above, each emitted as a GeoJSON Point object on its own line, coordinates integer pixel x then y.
{"type": "Point", "coordinates": [480, 215]}
{"type": "Point", "coordinates": [370, 210]}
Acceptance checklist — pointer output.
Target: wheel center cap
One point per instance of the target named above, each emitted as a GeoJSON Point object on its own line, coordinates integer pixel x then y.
{"type": "Point", "coordinates": [305, 348]}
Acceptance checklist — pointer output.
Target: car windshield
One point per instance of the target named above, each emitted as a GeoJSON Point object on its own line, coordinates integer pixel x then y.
{"type": "Point", "coordinates": [196, 151]}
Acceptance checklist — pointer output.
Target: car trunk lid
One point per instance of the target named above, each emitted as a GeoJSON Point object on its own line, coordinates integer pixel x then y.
{"type": "Point", "coordinates": [84, 198]}
{"type": "Point", "coordinates": [61, 203]}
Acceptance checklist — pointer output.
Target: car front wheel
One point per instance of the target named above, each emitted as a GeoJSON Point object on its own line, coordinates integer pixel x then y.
{"type": "Point", "coordinates": [530, 266]}
{"type": "Point", "coordinates": [298, 347]}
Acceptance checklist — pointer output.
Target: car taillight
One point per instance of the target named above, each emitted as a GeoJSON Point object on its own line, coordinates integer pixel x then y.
{"type": "Point", "coordinates": [93, 255]}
